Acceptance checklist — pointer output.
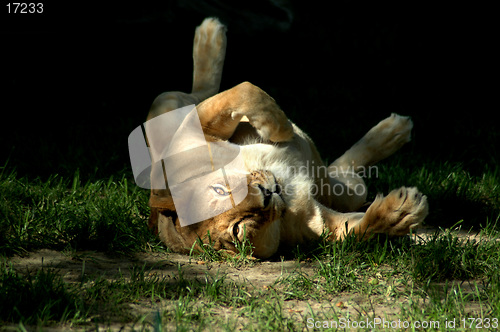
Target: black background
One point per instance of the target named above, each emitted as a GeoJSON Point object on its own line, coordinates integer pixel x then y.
{"type": "Point", "coordinates": [79, 77]}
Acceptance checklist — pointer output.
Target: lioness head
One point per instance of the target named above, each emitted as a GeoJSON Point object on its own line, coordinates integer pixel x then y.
{"type": "Point", "coordinates": [254, 218]}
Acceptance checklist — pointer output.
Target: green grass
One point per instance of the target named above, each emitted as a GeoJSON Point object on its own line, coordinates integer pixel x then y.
{"type": "Point", "coordinates": [37, 297]}
{"type": "Point", "coordinates": [348, 267]}
{"type": "Point", "coordinates": [106, 215]}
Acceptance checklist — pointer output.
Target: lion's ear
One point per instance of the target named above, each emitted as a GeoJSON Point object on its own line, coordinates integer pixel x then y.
{"type": "Point", "coordinates": [159, 200]}
{"type": "Point", "coordinates": [168, 233]}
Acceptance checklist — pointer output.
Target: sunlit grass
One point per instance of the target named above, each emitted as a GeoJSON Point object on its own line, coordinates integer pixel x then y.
{"type": "Point", "coordinates": [67, 214]}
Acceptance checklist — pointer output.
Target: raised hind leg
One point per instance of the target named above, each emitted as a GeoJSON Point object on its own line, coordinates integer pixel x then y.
{"type": "Point", "coordinates": [346, 173]}
{"type": "Point", "coordinates": [388, 136]}
{"type": "Point", "coordinates": [209, 50]}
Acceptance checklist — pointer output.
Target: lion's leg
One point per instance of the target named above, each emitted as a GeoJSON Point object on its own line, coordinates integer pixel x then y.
{"type": "Point", "coordinates": [347, 172]}
{"type": "Point", "coordinates": [388, 136]}
{"type": "Point", "coordinates": [221, 114]}
{"type": "Point", "coordinates": [395, 214]}
{"type": "Point", "coordinates": [209, 50]}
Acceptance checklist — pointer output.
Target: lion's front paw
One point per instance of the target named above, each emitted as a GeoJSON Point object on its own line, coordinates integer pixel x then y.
{"type": "Point", "coordinates": [271, 125]}
{"type": "Point", "coordinates": [263, 114]}
{"type": "Point", "coordinates": [398, 212]}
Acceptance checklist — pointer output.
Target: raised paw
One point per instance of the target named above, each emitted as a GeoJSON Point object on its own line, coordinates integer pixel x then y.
{"type": "Point", "coordinates": [263, 114]}
{"type": "Point", "coordinates": [209, 40]}
{"type": "Point", "coordinates": [209, 51]}
{"type": "Point", "coordinates": [403, 209]}
{"type": "Point", "coordinates": [388, 136]}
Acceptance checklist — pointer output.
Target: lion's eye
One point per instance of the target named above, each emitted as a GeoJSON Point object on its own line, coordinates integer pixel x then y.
{"type": "Point", "coordinates": [236, 229]}
{"type": "Point", "coordinates": [220, 190]}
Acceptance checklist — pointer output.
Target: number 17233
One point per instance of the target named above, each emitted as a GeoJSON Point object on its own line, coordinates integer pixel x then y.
{"type": "Point", "coordinates": [25, 8]}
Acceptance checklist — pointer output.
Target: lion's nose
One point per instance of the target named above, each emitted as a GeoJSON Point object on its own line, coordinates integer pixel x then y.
{"type": "Point", "coordinates": [265, 191]}
{"type": "Point", "coordinates": [275, 188]}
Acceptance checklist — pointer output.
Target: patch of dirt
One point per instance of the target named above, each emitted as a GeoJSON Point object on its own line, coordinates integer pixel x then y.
{"type": "Point", "coordinates": [89, 263]}
{"type": "Point", "coordinates": [424, 234]}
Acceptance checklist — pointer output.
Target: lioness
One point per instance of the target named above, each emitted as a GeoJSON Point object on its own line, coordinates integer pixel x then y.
{"type": "Point", "coordinates": [292, 196]}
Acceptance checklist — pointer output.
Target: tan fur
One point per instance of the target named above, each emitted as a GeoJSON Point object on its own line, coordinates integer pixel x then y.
{"type": "Point", "coordinates": [290, 198]}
